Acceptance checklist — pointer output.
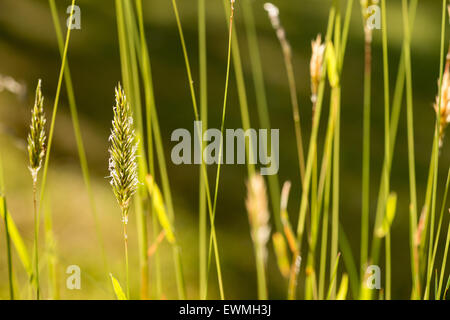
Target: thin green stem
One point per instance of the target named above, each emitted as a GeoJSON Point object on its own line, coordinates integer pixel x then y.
{"type": "Point", "coordinates": [8, 248]}
{"type": "Point", "coordinates": [387, 144]}
{"type": "Point", "coordinates": [261, 272]}
{"type": "Point", "coordinates": [366, 148]}
{"type": "Point", "coordinates": [444, 263]}
{"type": "Point", "coordinates": [336, 93]}
{"type": "Point", "coordinates": [438, 234]}
{"type": "Point", "coordinates": [77, 131]}
{"type": "Point", "coordinates": [336, 100]}
{"type": "Point", "coordinates": [388, 266]}
{"type": "Point", "coordinates": [125, 239]}
{"type": "Point", "coordinates": [203, 278]}
{"type": "Point", "coordinates": [411, 158]}
{"type": "Point", "coordinates": [313, 142]}
{"type": "Point", "coordinates": [52, 261]}
{"type": "Point", "coordinates": [396, 107]}
{"type": "Point", "coordinates": [436, 157]}
{"type": "Point", "coordinates": [36, 239]}
{"type": "Point", "coordinates": [261, 100]}
{"type": "Point", "coordinates": [55, 109]}
{"type": "Point", "coordinates": [205, 177]}
{"type": "Point", "coordinates": [149, 103]}
{"type": "Point", "coordinates": [324, 240]}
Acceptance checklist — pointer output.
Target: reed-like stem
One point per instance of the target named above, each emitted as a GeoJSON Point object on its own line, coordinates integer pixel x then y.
{"type": "Point", "coordinates": [8, 245]}
{"type": "Point", "coordinates": [287, 56]}
{"type": "Point", "coordinates": [411, 157]}
{"type": "Point", "coordinates": [336, 100]}
{"type": "Point", "coordinates": [388, 266]}
{"type": "Point", "coordinates": [387, 144]}
{"type": "Point", "coordinates": [203, 71]}
{"type": "Point", "coordinates": [437, 138]}
{"type": "Point", "coordinates": [205, 176]}
{"type": "Point", "coordinates": [51, 255]}
{"type": "Point", "coordinates": [261, 101]}
{"type": "Point", "coordinates": [36, 239]}
{"type": "Point", "coordinates": [55, 109]}
{"type": "Point", "coordinates": [313, 139]}
{"type": "Point", "coordinates": [125, 241]}
{"type": "Point", "coordinates": [77, 132]}
{"type": "Point", "coordinates": [149, 105]}
{"type": "Point", "coordinates": [324, 239]}
{"type": "Point", "coordinates": [365, 190]}
{"type": "Point", "coordinates": [444, 263]}
{"type": "Point", "coordinates": [396, 107]}
{"type": "Point", "coordinates": [438, 233]}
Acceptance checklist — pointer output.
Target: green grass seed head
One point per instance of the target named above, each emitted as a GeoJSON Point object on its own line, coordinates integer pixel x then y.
{"type": "Point", "coordinates": [122, 162]}
{"type": "Point", "coordinates": [36, 137]}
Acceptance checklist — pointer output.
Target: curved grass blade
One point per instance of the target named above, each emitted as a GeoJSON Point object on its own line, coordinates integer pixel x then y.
{"type": "Point", "coordinates": [120, 295]}
{"type": "Point", "coordinates": [158, 204]}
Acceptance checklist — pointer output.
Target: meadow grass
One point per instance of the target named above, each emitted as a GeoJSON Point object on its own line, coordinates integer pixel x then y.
{"type": "Point", "coordinates": [315, 259]}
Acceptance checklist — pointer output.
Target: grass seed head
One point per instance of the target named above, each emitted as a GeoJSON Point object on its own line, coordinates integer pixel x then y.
{"type": "Point", "coordinates": [442, 107]}
{"type": "Point", "coordinates": [258, 212]}
{"type": "Point", "coordinates": [36, 137]}
{"type": "Point", "coordinates": [274, 14]}
{"type": "Point", "coordinates": [122, 162]}
{"type": "Point", "coordinates": [316, 64]}
{"type": "Point", "coordinates": [274, 17]}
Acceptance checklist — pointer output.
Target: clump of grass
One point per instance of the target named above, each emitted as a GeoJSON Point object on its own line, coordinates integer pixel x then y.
{"type": "Point", "coordinates": [316, 68]}
{"type": "Point", "coordinates": [122, 162]}
{"type": "Point", "coordinates": [258, 216]}
{"type": "Point", "coordinates": [36, 151]}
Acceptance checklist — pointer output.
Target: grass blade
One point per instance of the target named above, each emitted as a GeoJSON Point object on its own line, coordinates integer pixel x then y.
{"type": "Point", "coordinates": [120, 295]}
{"type": "Point", "coordinates": [343, 288]}
{"type": "Point", "coordinates": [17, 240]}
{"type": "Point", "coordinates": [158, 204]}
{"type": "Point", "coordinates": [333, 276]}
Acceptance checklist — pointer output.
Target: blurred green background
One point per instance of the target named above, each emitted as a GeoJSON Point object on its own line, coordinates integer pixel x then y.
{"type": "Point", "coordinates": [28, 51]}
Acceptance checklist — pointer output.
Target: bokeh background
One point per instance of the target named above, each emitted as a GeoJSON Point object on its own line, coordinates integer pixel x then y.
{"type": "Point", "coordinates": [28, 51]}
